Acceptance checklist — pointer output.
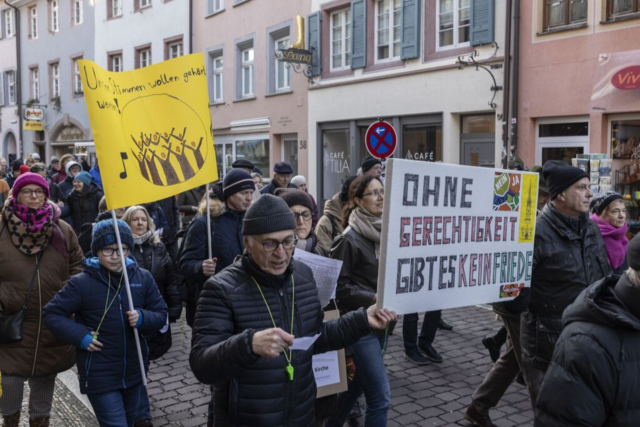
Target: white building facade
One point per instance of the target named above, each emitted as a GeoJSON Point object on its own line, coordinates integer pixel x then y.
{"type": "Point", "coordinates": [9, 123]}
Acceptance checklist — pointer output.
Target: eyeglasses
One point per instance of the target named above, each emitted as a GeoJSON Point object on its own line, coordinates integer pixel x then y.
{"type": "Point", "coordinates": [108, 252]}
{"type": "Point", "coordinates": [270, 245]}
{"type": "Point", "coordinates": [27, 192]}
{"type": "Point", "coordinates": [305, 215]}
{"type": "Point", "coordinates": [376, 194]}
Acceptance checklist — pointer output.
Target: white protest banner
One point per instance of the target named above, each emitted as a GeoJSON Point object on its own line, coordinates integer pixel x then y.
{"type": "Point", "coordinates": [455, 236]}
{"type": "Point", "coordinates": [325, 272]}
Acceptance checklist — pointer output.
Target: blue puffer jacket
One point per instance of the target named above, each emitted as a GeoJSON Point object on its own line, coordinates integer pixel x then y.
{"type": "Point", "coordinates": [116, 366]}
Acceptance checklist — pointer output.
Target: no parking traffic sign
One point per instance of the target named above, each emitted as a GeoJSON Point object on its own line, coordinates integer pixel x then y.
{"type": "Point", "coordinates": [381, 140]}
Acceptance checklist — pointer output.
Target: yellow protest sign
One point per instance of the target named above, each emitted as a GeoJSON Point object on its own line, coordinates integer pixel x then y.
{"type": "Point", "coordinates": [152, 129]}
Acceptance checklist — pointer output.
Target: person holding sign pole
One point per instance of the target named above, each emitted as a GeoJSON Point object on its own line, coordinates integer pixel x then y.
{"type": "Point", "coordinates": [108, 368]}
{"type": "Point", "coordinates": [358, 247]}
{"type": "Point", "coordinates": [569, 254]}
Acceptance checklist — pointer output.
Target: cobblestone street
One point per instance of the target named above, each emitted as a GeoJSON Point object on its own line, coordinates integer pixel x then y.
{"type": "Point", "coordinates": [431, 395]}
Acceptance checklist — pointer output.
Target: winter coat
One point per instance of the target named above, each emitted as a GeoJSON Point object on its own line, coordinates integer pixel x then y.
{"type": "Point", "coordinates": [252, 390]}
{"type": "Point", "coordinates": [83, 208]}
{"type": "Point", "coordinates": [60, 176]}
{"type": "Point", "coordinates": [272, 187]}
{"type": "Point", "coordinates": [115, 367]}
{"type": "Point", "coordinates": [155, 259]}
{"type": "Point", "coordinates": [169, 207]}
{"type": "Point", "coordinates": [10, 179]}
{"type": "Point", "coordinates": [593, 376]}
{"type": "Point", "coordinates": [569, 254]}
{"type": "Point", "coordinates": [188, 199]}
{"type": "Point", "coordinates": [55, 192]}
{"type": "Point", "coordinates": [97, 178]}
{"type": "Point", "coordinates": [86, 230]}
{"type": "Point", "coordinates": [66, 186]}
{"type": "Point", "coordinates": [39, 354]}
{"type": "Point", "coordinates": [157, 215]}
{"type": "Point", "coordinates": [330, 223]}
{"type": "Point", "coordinates": [358, 279]}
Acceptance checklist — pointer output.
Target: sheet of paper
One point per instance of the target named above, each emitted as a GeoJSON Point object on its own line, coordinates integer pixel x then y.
{"type": "Point", "coordinates": [325, 272]}
{"type": "Point", "coordinates": [304, 343]}
{"type": "Point", "coordinates": [326, 368]}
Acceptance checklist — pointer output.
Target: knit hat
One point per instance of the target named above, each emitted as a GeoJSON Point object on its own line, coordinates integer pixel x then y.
{"type": "Point", "coordinates": [560, 176]}
{"type": "Point", "coordinates": [283, 168]}
{"type": "Point", "coordinates": [242, 163]}
{"type": "Point", "coordinates": [237, 180]}
{"type": "Point", "coordinates": [24, 169]}
{"type": "Point", "coordinates": [599, 204]}
{"type": "Point", "coordinates": [35, 156]}
{"type": "Point", "coordinates": [295, 197]}
{"type": "Point", "coordinates": [104, 234]}
{"type": "Point", "coordinates": [542, 184]}
{"type": "Point", "coordinates": [369, 162]}
{"type": "Point", "coordinates": [633, 252]}
{"type": "Point", "coordinates": [68, 167]}
{"type": "Point", "coordinates": [298, 180]}
{"type": "Point", "coordinates": [15, 166]}
{"type": "Point", "coordinates": [29, 178]}
{"type": "Point", "coordinates": [268, 214]}
{"type": "Point", "coordinates": [54, 159]}
{"type": "Point", "coordinates": [84, 177]}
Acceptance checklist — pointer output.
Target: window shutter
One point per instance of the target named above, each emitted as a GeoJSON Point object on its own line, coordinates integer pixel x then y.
{"type": "Point", "coordinates": [314, 43]}
{"type": "Point", "coordinates": [358, 34]}
{"type": "Point", "coordinates": [1, 89]}
{"type": "Point", "coordinates": [410, 29]}
{"type": "Point", "coordinates": [3, 20]}
{"type": "Point", "coordinates": [482, 22]}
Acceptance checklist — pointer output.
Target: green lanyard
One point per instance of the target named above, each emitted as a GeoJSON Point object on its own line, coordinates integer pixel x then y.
{"type": "Point", "coordinates": [107, 307]}
{"type": "Point", "coordinates": [289, 356]}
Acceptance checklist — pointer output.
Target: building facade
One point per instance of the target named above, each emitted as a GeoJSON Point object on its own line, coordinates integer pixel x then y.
{"type": "Point", "coordinates": [258, 105]}
{"type": "Point", "coordinates": [396, 60]}
{"type": "Point", "coordinates": [54, 35]}
{"type": "Point", "coordinates": [9, 120]}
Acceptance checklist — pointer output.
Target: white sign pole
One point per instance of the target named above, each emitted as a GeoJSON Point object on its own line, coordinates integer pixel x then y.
{"type": "Point", "coordinates": [126, 284]}
{"type": "Point", "coordinates": [209, 222]}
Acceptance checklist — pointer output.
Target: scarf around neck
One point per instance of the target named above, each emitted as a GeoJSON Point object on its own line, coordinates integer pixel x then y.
{"type": "Point", "coordinates": [615, 240]}
{"type": "Point", "coordinates": [368, 226]}
{"type": "Point", "coordinates": [141, 240]}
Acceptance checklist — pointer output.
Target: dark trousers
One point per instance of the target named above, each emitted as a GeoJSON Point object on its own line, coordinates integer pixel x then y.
{"type": "Point", "coordinates": [427, 334]}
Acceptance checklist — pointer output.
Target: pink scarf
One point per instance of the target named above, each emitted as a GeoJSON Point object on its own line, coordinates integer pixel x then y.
{"type": "Point", "coordinates": [33, 229]}
{"type": "Point", "coordinates": [615, 240]}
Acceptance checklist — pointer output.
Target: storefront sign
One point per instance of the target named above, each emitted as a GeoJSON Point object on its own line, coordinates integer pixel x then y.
{"type": "Point", "coordinates": [70, 134]}
{"type": "Point", "coordinates": [429, 157]}
{"type": "Point", "coordinates": [33, 114]}
{"type": "Point", "coordinates": [336, 162]}
{"type": "Point", "coordinates": [294, 56]}
{"type": "Point", "coordinates": [627, 78]}
{"type": "Point", "coordinates": [32, 125]}
{"type": "Point", "coordinates": [455, 236]}
{"type": "Point", "coordinates": [381, 140]}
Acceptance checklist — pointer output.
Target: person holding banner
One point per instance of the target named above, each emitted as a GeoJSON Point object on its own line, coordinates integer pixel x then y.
{"type": "Point", "coordinates": [104, 324]}
{"type": "Point", "coordinates": [358, 247]}
{"type": "Point", "coordinates": [569, 254]}
{"type": "Point", "coordinates": [248, 318]}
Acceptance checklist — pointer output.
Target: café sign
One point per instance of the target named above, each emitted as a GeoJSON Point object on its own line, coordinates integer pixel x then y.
{"type": "Point", "coordinates": [34, 114]}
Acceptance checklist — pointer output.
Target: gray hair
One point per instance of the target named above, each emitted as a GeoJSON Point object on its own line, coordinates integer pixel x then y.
{"type": "Point", "coordinates": [634, 276]}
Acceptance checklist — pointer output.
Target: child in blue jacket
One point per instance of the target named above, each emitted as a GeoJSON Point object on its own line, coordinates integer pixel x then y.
{"type": "Point", "coordinates": [107, 359]}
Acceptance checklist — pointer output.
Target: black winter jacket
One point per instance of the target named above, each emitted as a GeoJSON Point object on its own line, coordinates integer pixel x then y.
{"type": "Point", "coordinates": [66, 186]}
{"type": "Point", "coordinates": [83, 208]}
{"type": "Point", "coordinates": [593, 377]}
{"type": "Point", "coordinates": [256, 391]}
{"type": "Point", "coordinates": [156, 260]}
{"type": "Point", "coordinates": [55, 192]}
{"type": "Point", "coordinates": [569, 254]}
{"type": "Point", "coordinates": [272, 187]}
{"type": "Point", "coordinates": [172, 214]}
{"type": "Point", "coordinates": [358, 280]}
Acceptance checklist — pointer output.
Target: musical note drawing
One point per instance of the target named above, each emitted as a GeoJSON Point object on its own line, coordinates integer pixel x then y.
{"type": "Point", "coordinates": [123, 175]}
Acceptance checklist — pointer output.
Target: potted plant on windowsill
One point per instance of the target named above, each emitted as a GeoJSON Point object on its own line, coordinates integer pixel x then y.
{"type": "Point", "coordinates": [31, 102]}
{"type": "Point", "coordinates": [56, 103]}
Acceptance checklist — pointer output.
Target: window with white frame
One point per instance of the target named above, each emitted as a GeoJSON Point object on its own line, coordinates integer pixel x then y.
{"type": "Point", "coordinates": [454, 21]}
{"type": "Point", "coordinates": [218, 78]}
{"type": "Point", "coordinates": [11, 86]}
{"type": "Point", "coordinates": [341, 39]}
{"type": "Point", "coordinates": [55, 16]}
{"type": "Point", "coordinates": [9, 30]}
{"type": "Point", "coordinates": [145, 3]}
{"type": "Point", "coordinates": [33, 22]}
{"type": "Point", "coordinates": [247, 72]}
{"type": "Point", "coordinates": [216, 5]}
{"type": "Point", "coordinates": [144, 58]}
{"type": "Point", "coordinates": [388, 29]}
{"type": "Point", "coordinates": [116, 8]}
{"type": "Point", "coordinates": [77, 81]}
{"type": "Point", "coordinates": [78, 12]}
{"type": "Point", "coordinates": [116, 63]}
{"type": "Point", "coordinates": [55, 80]}
{"type": "Point", "coordinates": [283, 70]}
{"type": "Point", "coordinates": [175, 49]}
{"type": "Point", "coordinates": [35, 83]}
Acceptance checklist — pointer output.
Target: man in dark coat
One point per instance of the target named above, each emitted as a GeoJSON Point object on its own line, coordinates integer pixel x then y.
{"type": "Point", "coordinates": [281, 178]}
{"type": "Point", "coordinates": [569, 255]}
{"type": "Point", "coordinates": [593, 376]}
{"type": "Point", "coordinates": [188, 203]}
{"type": "Point", "coordinates": [171, 212]}
{"type": "Point", "coordinates": [244, 329]}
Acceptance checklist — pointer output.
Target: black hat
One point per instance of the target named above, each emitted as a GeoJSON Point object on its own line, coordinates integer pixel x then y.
{"type": "Point", "coordinates": [103, 234]}
{"type": "Point", "coordinates": [268, 214]}
{"type": "Point", "coordinates": [282, 167]}
{"type": "Point", "coordinates": [15, 166]}
{"type": "Point", "coordinates": [559, 176]}
{"type": "Point", "coordinates": [633, 252]}
{"type": "Point", "coordinates": [242, 163]}
{"type": "Point", "coordinates": [237, 180]}
{"type": "Point", "coordinates": [295, 197]}
{"type": "Point", "coordinates": [369, 162]}
{"type": "Point", "coordinates": [599, 204]}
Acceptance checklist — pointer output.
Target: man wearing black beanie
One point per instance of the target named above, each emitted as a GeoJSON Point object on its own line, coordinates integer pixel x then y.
{"type": "Point", "coordinates": [372, 166]}
{"type": "Point", "coordinates": [569, 255]}
{"type": "Point", "coordinates": [248, 317]}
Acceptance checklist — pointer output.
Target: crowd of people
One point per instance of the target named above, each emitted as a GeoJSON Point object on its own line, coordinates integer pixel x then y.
{"type": "Point", "coordinates": [226, 256]}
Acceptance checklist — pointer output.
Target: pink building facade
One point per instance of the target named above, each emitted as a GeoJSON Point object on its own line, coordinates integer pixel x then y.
{"type": "Point", "coordinates": [258, 105]}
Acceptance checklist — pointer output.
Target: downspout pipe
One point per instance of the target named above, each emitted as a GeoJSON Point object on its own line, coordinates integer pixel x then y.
{"type": "Point", "coordinates": [516, 73]}
{"type": "Point", "coordinates": [507, 87]}
{"type": "Point", "coordinates": [18, 77]}
{"type": "Point", "coordinates": [190, 26]}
